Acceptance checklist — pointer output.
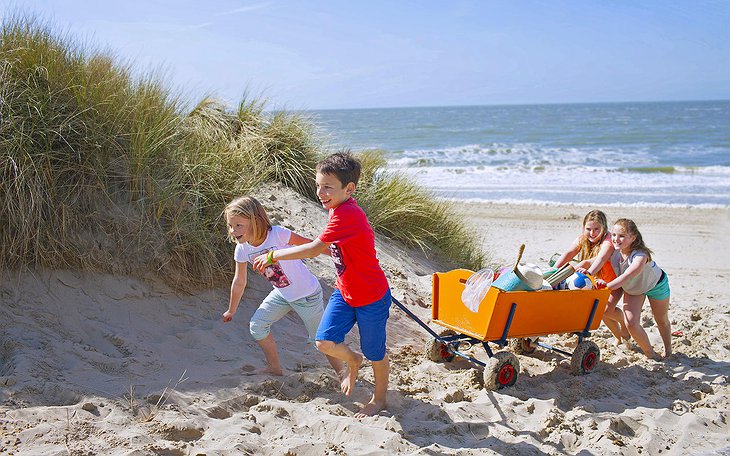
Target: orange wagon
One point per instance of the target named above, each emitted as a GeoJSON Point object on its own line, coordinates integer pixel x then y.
{"type": "Point", "coordinates": [514, 318]}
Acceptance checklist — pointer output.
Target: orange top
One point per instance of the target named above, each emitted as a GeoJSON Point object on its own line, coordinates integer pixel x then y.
{"type": "Point", "coordinates": [606, 273]}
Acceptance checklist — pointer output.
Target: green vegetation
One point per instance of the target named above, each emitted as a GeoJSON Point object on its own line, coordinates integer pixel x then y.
{"type": "Point", "coordinates": [101, 171]}
{"type": "Point", "coordinates": [651, 169]}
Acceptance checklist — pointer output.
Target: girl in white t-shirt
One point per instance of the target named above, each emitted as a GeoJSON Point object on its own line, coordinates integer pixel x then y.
{"type": "Point", "coordinates": [639, 277]}
{"type": "Point", "coordinates": [295, 288]}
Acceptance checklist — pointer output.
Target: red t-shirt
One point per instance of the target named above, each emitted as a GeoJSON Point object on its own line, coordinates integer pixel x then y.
{"type": "Point", "coordinates": [352, 246]}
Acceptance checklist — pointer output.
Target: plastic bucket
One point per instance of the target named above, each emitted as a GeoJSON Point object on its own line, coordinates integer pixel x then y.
{"type": "Point", "coordinates": [509, 281]}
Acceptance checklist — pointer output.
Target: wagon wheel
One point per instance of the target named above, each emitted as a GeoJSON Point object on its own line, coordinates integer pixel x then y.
{"type": "Point", "coordinates": [522, 346]}
{"type": "Point", "coordinates": [585, 358]}
{"type": "Point", "coordinates": [438, 351]}
{"type": "Point", "coordinates": [501, 370]}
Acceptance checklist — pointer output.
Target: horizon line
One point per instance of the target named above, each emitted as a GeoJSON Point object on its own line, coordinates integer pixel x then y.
{"type": "Point", "coordinates": [557, 103]}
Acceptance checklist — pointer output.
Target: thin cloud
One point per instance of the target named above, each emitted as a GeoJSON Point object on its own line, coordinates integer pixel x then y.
{"type": "Point", "coordinates": [245, 9]}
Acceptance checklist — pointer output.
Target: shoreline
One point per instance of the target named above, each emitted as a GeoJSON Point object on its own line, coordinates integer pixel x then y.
{"type": "Point", "coordinates": [642, 205]}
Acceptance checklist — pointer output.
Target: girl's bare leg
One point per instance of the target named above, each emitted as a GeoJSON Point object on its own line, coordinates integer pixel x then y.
{"type": "Point", "coordinates": [614, 318]}
{"type": "Point", "coordinates": [632, 310]}
{"type": "Point", "coordinates": [268, 345]}
{"type": "Point", "coordinates": [660, 311]}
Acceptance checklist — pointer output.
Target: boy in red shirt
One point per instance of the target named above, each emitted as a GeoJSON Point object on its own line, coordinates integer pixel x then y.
{"type": "Point", "coordinates": [361, 294]}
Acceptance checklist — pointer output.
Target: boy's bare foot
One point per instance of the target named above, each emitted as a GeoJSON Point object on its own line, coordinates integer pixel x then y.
{"type": "Point", "coordinates": [348, 381]}
{"type": "Point", "coordinates": [371, 408]}
{"type": "Point", "coordinates": [269, 370]}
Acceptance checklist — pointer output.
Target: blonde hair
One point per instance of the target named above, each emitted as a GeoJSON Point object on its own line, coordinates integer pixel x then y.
{"type": "Point", "coordinates": [638, 243]}
{"type": "Point", "coordinates": [588, 250]}
{"type": "Point", "coordinates": [250, 208]}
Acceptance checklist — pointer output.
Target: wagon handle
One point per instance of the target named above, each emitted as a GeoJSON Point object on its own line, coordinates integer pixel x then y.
{"type": "Point", "coordinates": [519, 257]}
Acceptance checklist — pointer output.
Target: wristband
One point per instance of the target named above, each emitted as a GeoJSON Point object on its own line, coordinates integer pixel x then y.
{"type": "Point", "coordinates": [270, 257]}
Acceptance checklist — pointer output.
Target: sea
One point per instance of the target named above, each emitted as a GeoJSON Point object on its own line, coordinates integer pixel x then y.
{"type": "Point", "coordinates": [639, 154]}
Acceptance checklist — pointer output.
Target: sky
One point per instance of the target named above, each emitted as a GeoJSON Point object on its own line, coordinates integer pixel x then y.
{"type": "Point", "coordinates": [393, 53]}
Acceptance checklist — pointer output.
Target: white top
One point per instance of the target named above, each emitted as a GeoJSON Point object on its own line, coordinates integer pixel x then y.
{"type": "Point", "coordinates": [290, 277]}
{"type": "Point", "coordinates": [643, 281]}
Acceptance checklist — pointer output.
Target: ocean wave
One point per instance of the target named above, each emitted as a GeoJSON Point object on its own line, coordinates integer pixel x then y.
{"type": "Point", "coordinates": [523, 155]}
{"type": "Point", "coordinates": [583, 185]}
{"type": "Point", "coordinates": [539, 202]}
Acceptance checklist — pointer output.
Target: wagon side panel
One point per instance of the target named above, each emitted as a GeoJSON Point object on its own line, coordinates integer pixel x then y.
{"type": "Point", "coordinates": [545, 312]}
{"type": "Point", "coordinates": [449, 311]}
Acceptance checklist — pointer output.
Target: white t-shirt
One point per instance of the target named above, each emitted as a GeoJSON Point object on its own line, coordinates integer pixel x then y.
{"type": "Point", "coordinates": [642, 282]}
{"type": "Point", "coordinates": [290, 277]}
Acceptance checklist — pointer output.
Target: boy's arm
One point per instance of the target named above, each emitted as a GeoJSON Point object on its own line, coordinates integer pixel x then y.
{"type": "Point", "coordinates": [296, 239]}
{"type": "Point", "coordinates": [308, 250]}
{"type": "Point", "coordinates": [237, 286]}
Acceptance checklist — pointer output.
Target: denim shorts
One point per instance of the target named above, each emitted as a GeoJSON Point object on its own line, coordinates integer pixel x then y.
{"type": "Point", "coordinates": [339, 318]}
{"type": "Point", "coordinates": [660, 290]}
{"type": "Point", "coordinates": [275, 307]}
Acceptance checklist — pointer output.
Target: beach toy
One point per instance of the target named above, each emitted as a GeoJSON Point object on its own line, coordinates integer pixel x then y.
{"type": "Point", "coordinates": [579, 281]}
{"type": "Point", "coordinates": [561, 274]}
{"type": "Point", "coordinates": [522, 277]}
{"type": "Point", "coordinates": [526, 277]}
{"type": "Point", "coordinates": [554, 259]}
{"type": "Point", "coordinates": [475, 288]}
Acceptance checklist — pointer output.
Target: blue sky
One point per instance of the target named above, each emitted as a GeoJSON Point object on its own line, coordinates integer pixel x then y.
{"type": "Point", "coordinates": [348, 54]}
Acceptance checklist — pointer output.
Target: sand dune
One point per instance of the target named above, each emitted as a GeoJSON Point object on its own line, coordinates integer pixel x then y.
{"type": "Point", "coordinates": [101, 364]}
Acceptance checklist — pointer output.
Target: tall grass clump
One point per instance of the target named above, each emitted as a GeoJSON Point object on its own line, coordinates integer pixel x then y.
{"type": "Point", "coordinates": [104, 171]}
{"type": "Point", "coordinates": [403, 210]}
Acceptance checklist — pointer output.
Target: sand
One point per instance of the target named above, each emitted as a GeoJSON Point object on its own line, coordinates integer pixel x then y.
{"type": "Point", "coordinates": [99, 364]}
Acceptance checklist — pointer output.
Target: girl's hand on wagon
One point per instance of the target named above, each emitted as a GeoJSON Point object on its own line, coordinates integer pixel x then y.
{"type": "Point", "coordinates": [600, 283]}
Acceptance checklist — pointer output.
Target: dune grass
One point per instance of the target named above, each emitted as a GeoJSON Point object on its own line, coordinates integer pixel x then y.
{"type": "Point", "coordinates": [103, 171]}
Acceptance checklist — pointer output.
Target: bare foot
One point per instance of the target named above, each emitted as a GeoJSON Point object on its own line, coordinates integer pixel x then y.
{"type": "Point", "coordinates": [348, 381]}
{"type": "Point", "coordinates": [371, 408]}
{"type": "Point", "coordinates": [625, 333]}
{"type": "Point", "coordinates": [269, 370]}
{"type": "Point", "coordinates": [653, 355]}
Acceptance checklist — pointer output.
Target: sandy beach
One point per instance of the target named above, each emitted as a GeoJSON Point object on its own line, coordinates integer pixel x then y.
{"type": "Point", "coordinates": [101, 364]}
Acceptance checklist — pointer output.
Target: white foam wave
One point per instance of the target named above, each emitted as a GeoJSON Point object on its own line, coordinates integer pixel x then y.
{"type": "Point", "coordinates": [538, 202]}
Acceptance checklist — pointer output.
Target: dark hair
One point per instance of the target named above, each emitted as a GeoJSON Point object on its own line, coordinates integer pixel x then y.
{"type": "Point", "coordinates": [343, 165]}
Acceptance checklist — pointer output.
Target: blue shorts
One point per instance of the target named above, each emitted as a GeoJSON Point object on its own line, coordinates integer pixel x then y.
{"type": "Point", "coordinates": [339, 318]}
{"type": "Point", "coordinates": [660, 290]}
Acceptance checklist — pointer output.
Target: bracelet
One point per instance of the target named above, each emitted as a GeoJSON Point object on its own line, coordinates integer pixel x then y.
{"type": "Point", "coordinates": [270, 257]}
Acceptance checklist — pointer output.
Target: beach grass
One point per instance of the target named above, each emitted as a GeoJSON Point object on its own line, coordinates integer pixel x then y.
{"type": "Point", "coordinates": [105, 171]}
